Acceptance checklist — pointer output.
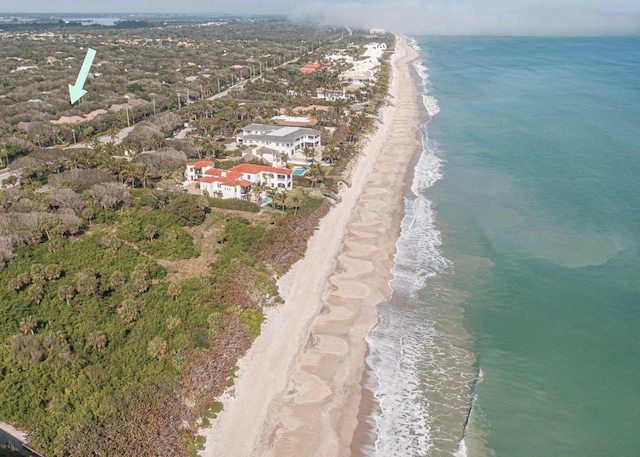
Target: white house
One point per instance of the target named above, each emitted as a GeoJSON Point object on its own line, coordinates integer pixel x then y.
{"type": "Point", "coordinates": [196, 170]}
{"type": "Point", "coordinates": [334, 94]}
{"type": "Point", "coordinates": [236, 182]}
{"type": "Point", "coordinates": [225, 184]}
{"type": "Point", "coordinates": [276, 178]}
{"type": "Point", "coordinates": [286, 140]}
{"type": "Point", "coordinates": [272, 156]}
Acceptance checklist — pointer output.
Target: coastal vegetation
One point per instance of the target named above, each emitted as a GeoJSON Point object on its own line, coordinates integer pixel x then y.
{"type": "Point", "coordinates": [125, 303]}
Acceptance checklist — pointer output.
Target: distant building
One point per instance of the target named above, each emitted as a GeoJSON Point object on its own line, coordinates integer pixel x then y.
{"type": "Point", "coordinates": [310, 68]}
{"type": "Point", "coordinates": [294, 121]}
{"type": "Point", "coordinates": [286, 140]}
{"type": "Point", "coordinates": [334, 94]}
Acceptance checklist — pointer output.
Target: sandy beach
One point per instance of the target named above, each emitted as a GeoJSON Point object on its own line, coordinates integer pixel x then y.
{"type": "Point", "coordinates": [298, 388]}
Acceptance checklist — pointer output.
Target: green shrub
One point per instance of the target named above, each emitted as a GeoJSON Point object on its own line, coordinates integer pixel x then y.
{"type": "Point", "coordinates": [233, 204]}
{"type": "Point", "coordinates": [252, 320]}
{"type": "Point", "coordinates": [188, 210]}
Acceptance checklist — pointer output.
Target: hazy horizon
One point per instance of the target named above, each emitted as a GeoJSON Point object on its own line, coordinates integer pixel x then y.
{"type": "Point", "coordinates": [415, 17]}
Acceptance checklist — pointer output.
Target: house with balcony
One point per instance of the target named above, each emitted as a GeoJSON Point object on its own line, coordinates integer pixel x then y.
{"type": "Point", "coordinates": [196, 170]}
{"type": "Point", "coordinates": [276, 178]}
{"type": "Point", "coordinates": [237, 181]}
{"type": "Point", "coordinates": [284, 139]}
{"type": "Point", "coordinates": [225, 184]}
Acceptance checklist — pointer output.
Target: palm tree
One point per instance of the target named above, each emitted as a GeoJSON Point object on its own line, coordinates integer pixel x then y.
{"type": "Point", "coordinates": [173, 321]}
{"type": "Point", "coordinates": [174, 290]}
{"type": "Point", "coordinates": [113, 133]}
{"type": "Point", "coordinates": [282, 199]}
{"type": "Point", "coordinates": [316, 174]}
{"type": "Point", "coordinates": [331, 153]}
{"type": "Point", "coordinates": [296, 199]}
{"type": "Point", "coordinates": [66, 292]}
{"type": "Point", "coordinates": [97, 340]}
{"type": "Point", "coordinates": [27, 324]}
{"type": "Point", "coordinates": [39, 139]}
{"type": "Point", "coordinates": [4, 152]}
{"type": "Point", "coordinates": [150, 231]}
{"type": "Point", "coordinates": [52, 271]}
{"type": "Point", "coordinates": [272, 194]}
{"type": "Point", "coordinates": [117, 278]}
{"type": "Point", "coordinates": [128, 310]}
{"type": "Point", "coordinates": [143, 174]}
{"type": "Point", "coordinates": [108, 148]}
{"type": "Point", "coordinates": [35, 292]}
{"type": "Point", "coordinates": [309, 153]}
{"type": "Point", "coordinates": [201, 145]}
{"type": "Point", "coordinates": [157, 347]}
{"type": "Point", "coordinates": [118, 166]}
{"type": "Point", "coordinates": [14, 284]}
{"type": "Point", "coordinates": [257, 188]}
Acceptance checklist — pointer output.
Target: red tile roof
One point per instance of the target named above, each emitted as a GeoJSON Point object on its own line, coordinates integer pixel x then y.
{"type": "Point", "coordinates": [226, 174]}
{"type": "Point", "coordinates": [255, 169]}
{"type": "Point", "coordinates": [201, 164]}
{"type": "Point", "coordinates": [225, 177]}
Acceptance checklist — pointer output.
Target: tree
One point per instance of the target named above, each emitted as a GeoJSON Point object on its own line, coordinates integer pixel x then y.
{"type": "Point", "coordinates": [128, 310]}
{"type": "Point", "coordinates": [113, 133]}
{"type": "Point", "coordinates": [14, 283]}
{"type": "Point", "coordinates": [27, 324]}
{"type": "Point", "coordinates": [316, 174]}
{"type": "Point", "coordinates": [309, 153]}
{"type": "Point", "coordinates": [117, 279]}
{"type": "Point", "coordinates": [282, 199]}
{"type": "Point", "coordinates": [97, 340]}
{"type": "Point", "coordinates": [139, 273]}
{"type": "Point", "coordinates": [257, 189]}
{"type": "Point", "coordinates": [157, 347]}
{"type": "Point", "coordinates": [272, 194]}
{"type": "Point", "coordinates": [52, 271]}
{"type": "Point", "coordinates": [331, 153]}
{"type": "Point", "coordinates": [173, 322]}
{"type": "Point", "coordinates": [296, 199]}
{"type": "Point", "coordinates": [150, 231]}
{"type": "Point", "coordinates": [87, 282]}
{"type": "Point", "coordinates": [110, 195]}
{"type": "Point", "coordinates": [38, 275]}
{"type": "Point", "coordinates": [174, 290]}
{"type": "Point", "coordinates": [35, 292]}
{"type": "Point", "coordinates": [66, 292]}
{"type": "Point", "coordinates": [88, 214]}
{"type": "Point", "coordinates": [189, 210]}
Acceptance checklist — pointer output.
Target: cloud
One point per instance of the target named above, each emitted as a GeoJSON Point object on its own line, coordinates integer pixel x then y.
{"type": "Point", "coordinates": [436, 18]}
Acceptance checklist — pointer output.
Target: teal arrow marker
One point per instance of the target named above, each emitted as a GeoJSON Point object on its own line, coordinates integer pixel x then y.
{"type": "Point", "coordinates": [76, 91]}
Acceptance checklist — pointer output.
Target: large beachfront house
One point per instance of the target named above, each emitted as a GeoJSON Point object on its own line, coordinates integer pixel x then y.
{"type": "Point", "coordinates": [286, 140]}
{"type": "Point", "coordinates": [236, 182]}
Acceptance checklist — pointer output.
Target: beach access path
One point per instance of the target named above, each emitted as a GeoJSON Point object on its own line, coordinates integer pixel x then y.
{"type": "Point", "coordinates": [298, 388]}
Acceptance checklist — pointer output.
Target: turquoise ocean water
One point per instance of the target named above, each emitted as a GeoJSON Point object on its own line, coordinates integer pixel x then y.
{"type": "Point", "coordinates": [514, 325]}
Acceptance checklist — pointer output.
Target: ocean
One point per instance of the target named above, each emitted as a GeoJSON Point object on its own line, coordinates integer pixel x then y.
{"type": "Point", "coordinates": [513, 328]}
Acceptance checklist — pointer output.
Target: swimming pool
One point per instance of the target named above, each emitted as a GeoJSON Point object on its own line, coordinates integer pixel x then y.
{"type": "Point", "coordinates": [299, 171]}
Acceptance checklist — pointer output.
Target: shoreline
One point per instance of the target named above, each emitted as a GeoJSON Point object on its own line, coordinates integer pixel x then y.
{"type": "Point", "coordinates": [298, 390]}
{"type": "Point", "coordinates": [363, 434]}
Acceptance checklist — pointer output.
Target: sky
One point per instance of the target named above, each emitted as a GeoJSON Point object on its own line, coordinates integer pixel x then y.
{"type": "Point", "coordinates": [415, 17]}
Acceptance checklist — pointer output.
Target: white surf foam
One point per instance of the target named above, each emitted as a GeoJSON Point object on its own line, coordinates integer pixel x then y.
{"type": "Point", "coordinates": [417, 373]}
